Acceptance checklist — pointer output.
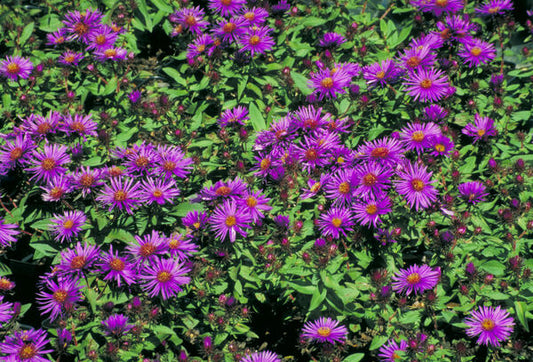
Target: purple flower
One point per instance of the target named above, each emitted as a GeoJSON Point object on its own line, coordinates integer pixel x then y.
{"type": "Point", "coordinates": [229, 220]}
{"type": "Point", "coordinates": [312, 153]}
{"type": "Point", "coordinates": [67, 226]}
{"type": "Point", "coordinates": [6, 311]}
{"type": "Point", "coordinates": [415, 278]}
{"type": "Point", "coordinates": [111, 53]}
{"type": "Point", "coordinates": [341, 187]}
{"type": "Point", "coordinates": [171, 161]}
{"type": "Point", "coordinates": [82, 25]}
{"type": "Point", "coordinates": [254, 16]}
{"type": "Point", "coordinates": [121, 195]}
{"type": "Point", "coordinates": [199, 46]}
{"type": "Point", "coordinates": [87, 179]}
{"type": "Point", "coordinates": [315, 186]}
{"type": "Point", "coordinates": [147, 248]}
{"type": "Point", "coordinates": [164, 277]}
{"type": "Point", "coordinates": [435, 113]}
{"type": "Point", "coordinates": [226, 7]}
{"type": "Point", "coordinates": [476, 52]}
{"type": "Point", "coordinates": [495, 7]}
{"type": "Point", "coordinates": [265, 356]}
{"type": "Point", "coordinates": [325, 330]}
{"type": "Point", "coordinates": [418, 136]}
{"type": "Point", "coordinates": [368, 212]}
{"type": "Point", "coordinates": [327, 83]}
{"type": "Point", "coordinates": [16, 67]}
{"type": "Point", "coordinates": [491, 324]}
{"type": "Point", "coordinates": [181, 247]}
{"type": "Point", "coordinates": [437, 7]}
{"type": "Point", "coordinates": [482, 128]}
{"type": "Point", "coordinates": [441, 146]}
{"type": "Point", "coordinates": [134, 96]}
{"type": "Point", "coordinates": [195, 220]}
{"type": "Point", "coordinates": [417, 58]}
{"type": "Point", "coordinates": [234, 116]}
{"type": "Point", "coordinates": [427, 84]}
{"type": "Point", "coordinates": [80, 125]}
{"type": "Point", "coordinates": [79, 259]}
{"type": "Point", "coordinates": [57, 38]}
{"type": "Point", "coordinates": [310, 119]}
{"type": "Point", "coordinates": [230, 30]}
{"type": "Point", "coordinates": [455, 27]}
{"type": "Point", "coordinates": [116, 268]}
{"type": "Point", "coordinates": [372, 179]}
{"type": "Point", "coordinates": [116, 325]}
{"type": "Point", "coordinates": [221, 190]}
{"type": "Point", "coordinates": [48, 164]}
{"type": "Point", "coordinates": [331, 40]}
{"type": "Point", "coordinates": [7, 233]}
{"type": "Point", "coordinates": [56, 188]}
{"type": "Point", "coordinates": [102, 38]}
{"type": "Point", "coordinates": [65, 293]}
{"type": "Point", "coordinates": [416, 185]}
{"type": "Point", "coordinates": [391, 352]}
{"type": "Point", "coordinates": [41, 126]}
{"type": "Point", "coordinates": [336, 221]}
{"type": "Point", "coordinates": [192, 19]}
{"type": "Point", "coordinates": [26, 346]}
{"type": "Point", "coordinates": [382, 73]}
{"type": "Point", "coordinates": [253, 203]}
{"type": "Point", "coordinates": [160, 191]}
{"type": "Point", "coordinates": [257, 40]}
{"type": "Point", "coordinates": [16, 152]}
{"type": "Point", "coordinates": [384, 151]}
{"type": "Point", "coordinates": [473, 192]}
{"type": "Point", "coordinates": [70, 58]}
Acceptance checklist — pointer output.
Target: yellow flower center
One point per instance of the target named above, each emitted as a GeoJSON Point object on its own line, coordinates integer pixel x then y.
{"type": "Point", "coordinates": [380, 74]}
{"type": "Point", "coordinates": [60, 295]}
{"type": "Point", "coordinates": [69, 58]}
{"type": "Point", "coordinates": [231, 221]}
{"type": "Point", "coordinates": [117, 264]}
{"type": "Point", "coordinates": [27, 352]}
{"type": "Point", "coordinates": [481, 132]}
{"type": "Point", "coordinates": [81, 28]}
{"type": "Point", "coordinates": [223, 191]}
{"type": "Point", "coordinates": [225, 2]}
{"type": "Point", "coordinates": [265, 164]}
{"type": "Point", "coordinates": [315, 187]}
{"type": "Point", "coordinates": [44, 128]}
{"type": "Point", "coordinates": [147, 249]}
{"type": "Point", "coordinates": [254, 40]}
{"type": "Point", "coordinates": [163, 276]}
{"type": "Point", "coordinates": [169, 166]}
{"type": "Point", "coordinates": [494, 9]}
{"type": "Point", "coordinates": [418, 185]}
{"type": "Point", "coordinates": [251, 201]}
{"type": "Point", "coordinates": [441, 3]}
{"type": "Point", "coordinates": [69, 224]}
{"type": "Point", "coordinates": [413, 61]}
{"type": "Point", "coordinates": [413, 278]}
{"type": "Point", "coordinates": [120, 195]}
{"type": "Point", "coordinates": [86, 180]}
{"type": "Point", "coordinates": [488, 324]}
{"type": "Point", "coordinates": [78, 127]}
{"type": "Point", "coordinates": [190, 20]}
{"type": "Point", "coordinates": [250, 16]}
{"type": "Point", "coordinates": [369, 179]}
{"type": "Point", "coordinates": [142, 161]}
{"type": "Point", "coordinates": [327, 83]}
{"type": "Point", "coordinates": [48, 164]}
{"type": "Point", "coordinates": [56, 192]}
{"type": "Point", "coordinates": [324, 331]}
{"type": "Point", "coordinates": [200, 48]}
{"type": "Point", "coordinates": [15, 154]}
{"type": "Point", "coordinates": [229, 27]}
{"type": "Point", "coordinates": [475, 51]}
{"type": "Point", "coordinates": [426, 83]}
{"type": "Point", "coordinates": [439, 147]}
{"type": "Point", "coordinates": [371, 209]}
{"type": "Point", "coordinates": [100, 39]}
{"type": "Point", "coordinates": [311, 154]}
{"type": "Point", "coordinates": [418, 136]}
{"type": "Point", "coordinates": [13, 68]}
{"type": "Point", "coordinates": [379, 152]}
{"type": "Point", "coordinates": [78, 262]}
{"type": "Point", "coordinates": [110, 53]}
{"type": "Point", "coordinates": [344, 188]}
{"type": "Point", "coordinates": [337, 222]}
{"type": "Point", "coordinates": [157, 193]}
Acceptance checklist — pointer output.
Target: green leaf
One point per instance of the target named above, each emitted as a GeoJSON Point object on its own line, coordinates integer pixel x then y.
{"type": "Point", "coordinates": [356, 357]}
{"type": "Point", "coordinates": [144, 11]}
{"type": "Point", "coordinates": [312, 21]}
{"type": "Point", "coordinates": [300, 81]}
{"type": "Point", "coordinates": [256, 118]}
{"type": "Point", "coordinates": [493, 267]}
{"type": "Point", "coordinates": [50, 23]}
{"type": "Point", "coordinates": [163, 5]}
{"type": "Point", "coordinates": [26, 33]}
{"type": "Point", "coordinates": [520, 309]}
{"type": "Point", "coordinates": [174, 74]}
{"type": "Point", "coordinates": [185, 207]}
{"type": "Point", "coordinates": [317, 299]}
{"type": "Point", "coordinates": [377, 342]}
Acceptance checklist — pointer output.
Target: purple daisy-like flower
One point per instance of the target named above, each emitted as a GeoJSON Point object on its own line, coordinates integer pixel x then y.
{"type": "Point", "coordinates": [253, 203]}
{"type": "Point", "coordinates": [328, 83]}
{"type": "Point", "coordinates": [7, 233]}
{"type": "Point", "coordinates": [476, 51]}
{"type": "Point", "coordinates": [116, 267]}
{"type": "Point", "coordinates": [57, 188]}
{"type": "Point", "coordinates": [385, 236]}
{"type": "Point", "coordinates": [315, 186]}
{"type": "Point", "coordinates": [112, 53]}
{"type": "Point", "coordinates": [491, 324]}
{"type": "Point", "coordinates": [226, 7]}
{"type": "Point", "coordinates": [87, 179]}
{"type": "Point", "coordinates": [147, 248]}
{"type": "Point", "coordinates": [257, 40]}
{"type": "Point", "coordinates": [160, 191]}
{"type": "Point", "coordinates": [26, 346]}
{"type": "Point", "coordinates": [336, 221]}
{"type": "Point", "coordinates": [435, 113]}
{"type": "Point", "coordinates": [368, 212]}
{"type": "Point", "coordinates": [265, 356]}
{"type": "Point", "coordinates": [391, 352]}
{"type": "Point", "coordinates": [481, 130]}
{"type": "Point", "coordinates": [382, 73]}
{"type": "Point", "coordinates": [48, 163]}
{"type": "Point", "coordinates": [312, 153]}
{"type": "Point", "coordinates": [80, 259]}
{"type": "Point", "coordinates": [416, 58]}
{"type": "Point", "coordinates": [164, 277]}
{"type": "Point", "coordinates": [63, 296]}
{"type": "Point", "coordinates": [438, 7]}
{"type": "Point", "coordinates": [415, 279]}
{"type": "Point", "coordinates": [228, 220]}
{"type": "Point", "coordinates": [371, 179]}
{"type": "Point", "coordinates": [427, 85]}
{"type": "Point", "coordinates": [171, 161]}
{"type": "Point", "coordinates": [230, 30]}
{"type": "Point", "coordinates": [310, 118]}
{"type": "Point", "coordinates": [70, 58]}
{"type": "Point", "coordinates": [416, 186]}
{"type": "Point", "coordinates": [331, 40]}
{"type": "Point", "coordinates": [102, 38]}
{"type": "Point", "coordinates": [325, 330]}
{"type": "Point", "coordinates": [80, 125]}
{"type": "Point", "coordinates": [232, 189]}
{"type": "Point", "coordinates": [385, 151]}
{"type": "Point", "coordinates": [266, 165]}
{"type": "Point", "coordinates": [441, 146]}
{"type": "Point", "coordinates": [41, 126]}
{"type": "Point", "coordinates": [57, 37]}
{"type": "Point", "coordinates": [455, 27]}
{"type": "Point", "coordinates": [181, 247]}
{"type": "Point", "coordinates": [16, 152]}
{"type": "Point", "coordinates": [201, 45]}
{"type": "Point", "coordinates": [116, 325]}
{"type": "Point", "coordinates": [16, 67]}
{"type": "Point", "coordinates": [254, 16]}
{"type": "Point", "coordinates": [120, 195]}
{"type": "Point", "coordinates": [234, 116]}
{"type": "Point", "coordinates": [495, 7]}
{"type": "Point", "coordinates": [81, 25]}
{"type": "Point", "coordinates": [195, 220]}
{"type": "Point", "coordinates": [6, 311]}
{"type": "Point", "coordinates": [67, 226]}
{"type": "Point", "coordinates": [417, 136]}
{"type": "Point", "coordinates": [192, 19]}
{"type": "Point", "coordinates": [473, 192]}
{"type": "Point", "coordinates": [341, 187]}
{"type": "Point", "coordinates": [6, 284]}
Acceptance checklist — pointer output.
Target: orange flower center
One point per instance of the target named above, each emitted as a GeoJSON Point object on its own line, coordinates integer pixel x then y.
{"type": "Point", "coordinates": [163, 276]}
{"type": "Point", "coordinates": [117, 264]}
{"type": "Point", "coordinates": [69, 224]}
{"type": "Point", "coordinates": [200, 48]}
{"type": "Point", "coordinates": [265, 163]}
{"type": "Point", "coordinates": [475, 51]}
{"type": "Point", "coordinates": [229, 27]}
{"type": "Point", "coordinates": [441, 3]}
{"type": "Point", "coordinates": [43, 128]}
{"type": "Point", "coordinates": [110, 53]}
{"type": "Point", "coordinates": [78, 127]}
{"type": "Point", "coordinates": [380, 74]}
{"type": "Point", "coordinates": [13, 68]}
{"type": "Point", "coordinates": [426, 83]}
{"type": "Point", "coordinates": [445, 34]}
{"type": "Point", "coordinates": [250, 16]}
{"type": "Point", "coordinates": [396, 356]}
{"type": "Point", "coordinates": [223, 191]}
{"type": "Point", "coordinates": [78, 262]}
{"type": "Point", "coordinates": [481, 132]}
{"type": "Point", "coordinates": [142, 161]}
{"type": "Point", "coordinates": [100, 39]}
{"type": "Point", "coordinates": [344, 188]}
{"type": "Point", "coordinates": [225, 2]}
{"type": "Point", "coordinates": [27, 352]}
{"type": "Point", "coordinates": [371, 209]}
{"type": "Point", "coordinates": [231, 221]}
{"type": "Point", "coordinates": [254, 40]}
{"type": "Point", "coordinates": [196, 225]}
{"type": "Point", "coordinates": [251, 201]}
{"type": "Point", "coordinates": [380, 152]}
{"type": "Point", "coordinates": [369, 179]}
{"type": "Point", "coordinates": [311, 154]}
{"type": "Point", "coordinates": [413, 278]}
{"type": "Point", "coordinates": [15, 154]}
{"type": "Point", "coordinates": [115, 171]}
{"type": "Point", "coordinates": [70, 58]}
{"type": "Point", "coordinates": [327, 82]}
{"type": "Point", "coordinates": [337, 222]}
{"type": "Point", "coordinates": [60, 295]}
{"type": "Point", "coordinates": [169, 166]}
{"type": "Point", "coordinates": [494, 9]}
{"type": "Point", "coordinates": [175, 243]}
{"type": "Point", "coordinates": [488, 324]}
{"type": "Point", "coordinates": [324, 331]}
{"type": "Point", "coordinates": [439, 147]}
{"type": "Point", "coordinates": [147, 249]}
{"type": "Point", "coordinates": [340, 160]}
{"type": "Point", "coordinates": [418, 185]}
{"type": "Point", "coordinates": [315, 187]}
{"type": "Point", "coordinates": [418, 136]}
{"type": "Point", "coordinates": [48, 164]}
{"type": "Point", "coordinates": [120, 195]}
{"type": "Point", "coordinates": [81, 28]}
{"type": "Point", "coordinates": [5, 284]}
{"type": "Point", "coordinates": [56, 192]}
{"type": "Point", "coordinates": [157, 193]}
{"type": "Point", "coordinates": [86, 180]}
{"type": "Point", "coordinates": [310, 123]}
{"type": "Point", "coordinates": [413, 61]}
{"type": "Point", "coordinates": [190, 20]}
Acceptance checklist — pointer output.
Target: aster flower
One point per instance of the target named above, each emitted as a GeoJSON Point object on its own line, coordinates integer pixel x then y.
{"type": "Point", "coordinates": [65, 293]}
{"type": "Point", "coordinates": [391, 352]}
{"type": "Point", "coordinates": [6, 311]}
{"type": "Point", "coordinates": [312, 153]}
{"type": "Point", "coordinates": [416, 58]}
{"type": "Point", "coordinates": [265, 356]}
{"type": "Point", "coordinates": [441, 146]}
{"type": "Point", "coordinates": [266, 165]}
{"type": "Point", "coordinates": [160, 191]}
{"type": "Point", "coordinates": [328, 83]}
{"type": "Point", "coordinates": [455, 27]}
{"type": "Point", "coordinates": [427, 84]}
{"type": "Point", "coordinates": [315, 186]}
{"type": "Point", "coordinates": [435, 113]}
{"type": "Point", "coordinates": [229, 220]}
{"type": "Point", "coordinates": [233, 117]}
{"type": "Point", "coordinates": [385, 151]}
{"type": "Point", "coordinates": [281, 7]}
{"type": "Point", "coordinates": [140, 160]}
{"type": "Point", "coordinates": [495, 7]}
{"type": "Point", "coordinates": [369, 211]}
{"type": "Point", "coordinates": [67, 226]}
{"type": "Point", "coordinates": [325, 330]}
{"type": "Point", "coordinates": [418, 136]}
{"type": "Point", "coordinates": [81, 25]}
{"type": "Point", "coordinates": [79, 260]}
{"type": "Point", "coordinates": [476, 52]}
{"type": "Point", "coordinates": [416, 186]}
{"type": "Point", "coordinates": [116, 325]}
{"type": "Point", "coordinates": [341, 187]}
{"type": "Point", "coordinates": [254, 16]}
{"type": "Point", "coordinates": [256, 40]}
{"type": "Point", "coordinates": [111, 53]}
{"type": "Point", "coordinates": [473, 192]}
{"type": "Point", "coordinates": [16, 67]}
{"type": "Point", "coordinates": [80, 125]}
{"type": "Point", "coordinates": [253, 203]}
{"type": "Point", "coordinates": [201, 45]}
{"type": "Point", "coordinates": [415, 279]}
{"type": "Point", "coordinates": [438, 7]}
{"type": "Point", "coordinates": [87, 179]}
{"type": "Point", "coordinates": [26, 346]}
{"type": "Point", "coordinates": [382, 73]}
{"type": "Point", "coordinates": [371, 179]}
{"type": "Point", "coordinates": [120, 195]}
{"type": "Point", "coordinates": [48, 163]}
{"type": "Point", "coordinates": [164, 277]}
{"type": "Point", "coordinates": [482, 128]}
{"type": "Point", "coordinates": [181, 247]}
{"type": "Point", "coordinates": [384, 236]}
{"type": "Point", "coordinates": [57, 37]}
{"type": "Point", "coordinates": [192, 19]}
{"type": "Point", "coordinates": [331, 40]}
{"type": "Point", "coordinates": [491, 324]}
{"type": "Point", "coordinates": [232, 189]}
{"type": "Point", "coordinates": [335, 222]}
{"type": "Point", "coordinates": [41, 126]}
{"type": "Point", "coordinates": [170, 161]}
{"type": "Point", "coordinates": [7, 233]}
{"type": "Point", "coordinates": [431, 40]}
{"type": "Point", "coordinates": [147, 248]}
{"type": "Point", "coordinates": [116, 267]}
{"type": "Point", "coordinates": [57, 188]}
{"type": "Point", "coordinates": [103, 37]}
{"type": "Point", "coordinates": [226, 7]}
{"type": "Point", "coordinates": [16, 152]}
{"type": "Point", "coordinates": [230, 30]}
{"type": "Point", "coordinates": [195, 220]}
{"type": "Point", "coordinates": [70, 58]}
{"type": "Point", "coordinates": [310, 119]}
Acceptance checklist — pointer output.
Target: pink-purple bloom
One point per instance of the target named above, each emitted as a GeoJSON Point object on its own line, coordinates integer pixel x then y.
{"type": "Point", "coordinates": [264, 356]}
{"type": "Point", "coordinates": [228, 220]}
{"type": "Point", "coordinates": [121, 194]}
{"type": "Point", "coordinates": [481, 130]}
{"type": "Point", "coordinates": [164, 277]}
{"type": "Point", "coordinates": [325, 330]}
{"type": "Point", "coordinates": [15, 67]}
{"type": "Point", "coordinates": [476, 51]}
{"type": "Point", "coordinates": [7, 233]}
{"type": "Point", "coordinates": [427, 84]}
{"type": "Point", "coordinates": [226, 7]}
{"type": "Point", "coordinates": [26, 346]}
{"type": "Point", "coordinates": [116, 325]}
{"type": "Point", "coordinates": [415, 279]}
{"type": "Point", "coordinates": [416, 185]}
{"type": "Point", "coordinates": [336, 221]}
{"type": "Point", "coordinates": [472, 192]}
{"type": "Point", "coordinates": [492, 325]}
{"type": "Point", "coordinates": [116, 267]}
{"type": "Point", "coordinates": [49, 162]}
{"type": "Point", "coordinates": [67, 226]}
{"type": "Point", "coordinates": [61, 299]}
{"type": "Point", "coordinates": [495, 7]}
{"type": "Point", "coordinates": [392, 352]}
{"type": "Point", "coordinates": [257, 40]}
